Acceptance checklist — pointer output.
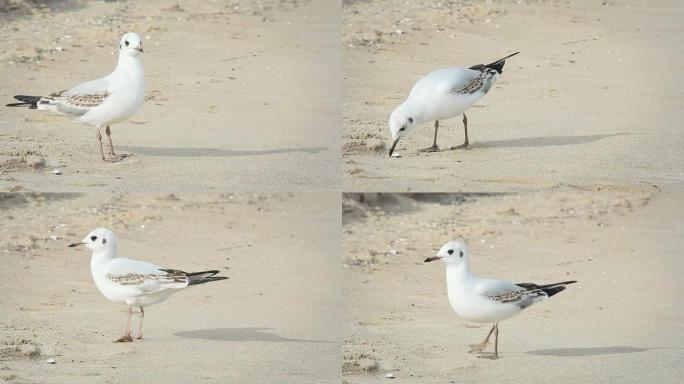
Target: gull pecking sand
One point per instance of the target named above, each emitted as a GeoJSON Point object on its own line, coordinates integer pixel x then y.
{"type": "Point", "coordinates": [102, 102]}
{"type": "Point", "coordinates": [135, 283]}
{"type": "Point", "coordinates": [443, 94]}
{"type": "Point", "coordinates": [487, 300]}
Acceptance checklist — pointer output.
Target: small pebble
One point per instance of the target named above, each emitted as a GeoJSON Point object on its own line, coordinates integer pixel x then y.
{"type": "Point", "coordinates": [390, 376]}
{"type": "Point", "coordinates": [56, 171]}
{"type": "Point", "coordinates": [51, 361]}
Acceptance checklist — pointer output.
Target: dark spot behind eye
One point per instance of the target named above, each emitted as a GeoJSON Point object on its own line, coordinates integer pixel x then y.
{"type": "Point", "coordinates": [461, 255]}
{"type": "Point", "coordinates": [451, 251]}
{"type": "Point", "coordinates": [104, 241]}
{"type": "Point", "coordinates": [93, 238]}
{"type": "Point", "coordinates": [410, 120]}
{"type": "Point", "coordinates": [126, 43]}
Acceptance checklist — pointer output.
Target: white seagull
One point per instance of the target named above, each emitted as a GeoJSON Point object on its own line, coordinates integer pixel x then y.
{"type": "Point", "coordinates": [134, 283]}
{"type": "Point", "coordinates": [102, 102]}
{"type": "Point", "coordinates": [487, 300]}
{"type": "Point", "coordinates": [443, 94]}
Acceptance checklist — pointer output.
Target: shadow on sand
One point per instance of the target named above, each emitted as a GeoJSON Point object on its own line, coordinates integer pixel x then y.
{"type": "Point", "coordinates": [589, 351]}
{"type": "Point", "coordinates": [242, 334]}
{"type": "Point", "coordinates": [544, 141]}
{"type": "Point", "coordinates": [214, 152]}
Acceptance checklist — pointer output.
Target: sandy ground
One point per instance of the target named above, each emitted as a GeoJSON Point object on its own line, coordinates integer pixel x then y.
{"type": "Point", "coordinates": [241, 96]}
{"type": "Point", "coordinates": [622, 323]}
{"type": "Point", "coordinates": [587, 100]}
{"type": "Point", "coordinates": [273, 321]}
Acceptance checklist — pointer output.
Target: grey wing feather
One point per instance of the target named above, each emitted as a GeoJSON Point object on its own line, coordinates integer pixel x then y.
{"type": "Point", "coordinates": [148, 283]}
{"type": "Point", "coordinates": [78, 100]}
{"type": "Point", "coordinates": [506, 292]}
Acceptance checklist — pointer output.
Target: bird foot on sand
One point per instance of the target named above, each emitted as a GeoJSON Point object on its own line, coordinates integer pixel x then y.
{"type": "Point", "coordinates": [124, 339]}
{"type": "Point", "coordinates": [434, 148]}
{"type": "Point", "coordinates": [116, 158]}
{"type": "Point", "coordinates": [462, 146]}
{"type": "Point", "coordinates": [479, 347]}
{"type": "Point", "coordinates": [488, 355]}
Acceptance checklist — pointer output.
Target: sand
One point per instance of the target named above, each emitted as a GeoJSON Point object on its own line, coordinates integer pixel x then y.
{"type": "Point", "coordinates": [620, 324]}
{"type": "Point", "coordinates": [274, 320]}
{"type": "Point", "coordinates": [241, 96]}
{"type": "Point", "coordinates": [586, 101]}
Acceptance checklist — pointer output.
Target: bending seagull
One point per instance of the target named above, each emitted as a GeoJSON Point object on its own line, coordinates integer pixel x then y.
{"type": "Point", "coordinates": [487, 300]}
{"type": "Point", "coordinates": [443, 94]}
{"type": "Point", "coordinates": [102, 102]}
{"type": "Point", "coordinates": [134, 283]}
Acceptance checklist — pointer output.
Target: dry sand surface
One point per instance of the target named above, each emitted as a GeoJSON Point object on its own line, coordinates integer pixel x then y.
{"type": "Point", "coordinates": [589, 98]}
{"type": "Point", "coordinates": [240, 96]}
{"type": "Point", "coordinates": [620, 324]}
{"type": "Point", "coordinates": [273, 321]}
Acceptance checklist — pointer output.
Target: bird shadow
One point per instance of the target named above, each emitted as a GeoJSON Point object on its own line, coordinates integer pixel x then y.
{"type": "Point", "coordinates": [214, 152]}
{"type": "Point", "coordinates": [242, 335]}
{"type": "Point", "coordinates": [544, 141]}
{"type": "Point", "coordinates": [586, 351]}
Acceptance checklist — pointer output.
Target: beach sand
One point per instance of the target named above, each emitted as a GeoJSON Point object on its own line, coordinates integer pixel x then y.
{"type": "Point", "coordinates": [621, 323]}
{"type": "Point", "coordinates": [593, 96]}
{"type": "Point", "coordinates": [240, 96]}
{"type": "Point", "coordinates": [275, 320]}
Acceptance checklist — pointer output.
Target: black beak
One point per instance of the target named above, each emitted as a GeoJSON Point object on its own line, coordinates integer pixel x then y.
{"type": "Point", "coordinates": [139, 49]}
{"type": "Point", "coordinates": [393, 145]}
{"type": "Point", "coordinates": [431, 258]}
{"type": "Point", "coordinates": [75, 245]}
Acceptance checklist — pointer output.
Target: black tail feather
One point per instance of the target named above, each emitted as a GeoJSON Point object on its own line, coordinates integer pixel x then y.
{"type": "Point", "coordinates": [549, 289]}
{"type": "Point", "coordinates": [495, 65]}
{"type": "Point", "coordinates": [26, 101]}
{"type": "Point", "coordinates": [204, 277]}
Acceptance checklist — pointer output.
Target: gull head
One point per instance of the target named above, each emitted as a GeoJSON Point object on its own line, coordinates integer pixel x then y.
{"type": "Point", "coordinates": [98, 240]}
{"type": "Point", "coordinates": [453, 252]}
{"type": "Point", "coordinates": [131, 44]}
{"type": "Point", "coordinates": [399, 124]}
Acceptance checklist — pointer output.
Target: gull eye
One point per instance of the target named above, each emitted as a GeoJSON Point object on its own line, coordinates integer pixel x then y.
{"type": "Point", "coordinates": [461, 255]}
{"type": "Point", "coordinates": [451, 251]}
{"type": "Point", "coordinates": [93, 238]}
{"type": "Point", "coordinates": [402, 129]}
{"type": "Point", "coordinates": [126, 43]}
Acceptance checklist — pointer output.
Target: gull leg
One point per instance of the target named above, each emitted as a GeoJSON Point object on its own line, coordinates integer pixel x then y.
{"type": "Point", "coordinates": [109, 136]}
{"type": "Point", "coordinates": [495, 355]}
{"type": "Point", "coordinates": [434, 147]}
{"type": "Point", "coordinates": [465, 127]}
{"type": "Point", "coordinates": [126, 337]}
{"type": "Point", "coordinates": [481, 346]}
{"type": "Point", "coordinates": [99, 139]}
{"type": "Point", "coordinates": [142, 316]}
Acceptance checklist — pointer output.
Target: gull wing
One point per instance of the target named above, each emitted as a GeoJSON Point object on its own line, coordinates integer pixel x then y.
{"type": "Point", "coordinates": [145, 277]}
{"type": "Point", "coordinates": [506, 292]}
{"type": "Point", "coordinates": [77, 101]}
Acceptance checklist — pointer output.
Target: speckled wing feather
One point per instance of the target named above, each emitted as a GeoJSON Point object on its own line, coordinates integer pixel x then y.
{"type": "Point", "coordinates": [481, 82]}
{"type": "Point", "coordinates": [519, 296]}
{"type": "Point", "coordinates": [148, 283]}
{"type": "Point", "coordinates": [70, 103]}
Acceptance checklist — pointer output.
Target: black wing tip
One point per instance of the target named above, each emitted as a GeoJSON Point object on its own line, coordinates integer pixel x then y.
{"type": "Point", "coordinates": [26, 101]}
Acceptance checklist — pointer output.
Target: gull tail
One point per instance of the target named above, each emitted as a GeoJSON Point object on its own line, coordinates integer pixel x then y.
{"type": "Point", "coordinates": [204, 277]}
{"type": "Point", "coordinates": [549, 289]}
{"type": "Point", "coordinates": [26, 101]}
{"type": "Point", "coordinates": [495, 65]}
{"type": "Point", "coordinates": [197, 277]}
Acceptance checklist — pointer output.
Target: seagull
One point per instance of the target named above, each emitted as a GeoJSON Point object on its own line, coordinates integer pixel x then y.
{"type": "Point", "coordinates": [487, 300]}
{"type": "Point", "coordinates": [135, 283]}
{"type": "Point", "coordinates": [443, 94]}
{"type": "Point", "coordinates": [102, 102]}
